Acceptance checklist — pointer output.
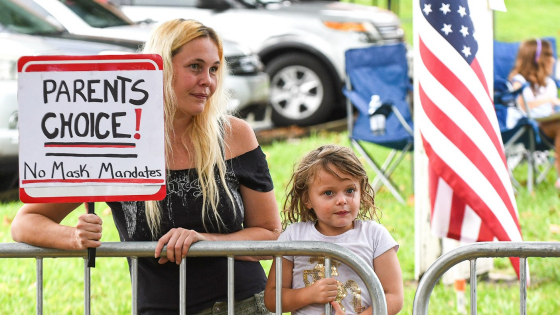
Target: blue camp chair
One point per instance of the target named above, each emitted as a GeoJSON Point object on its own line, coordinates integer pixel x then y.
{"type": "Point", "coordinates": [381, 71]}
{"type": "Point", "coordinates": [523, 141]}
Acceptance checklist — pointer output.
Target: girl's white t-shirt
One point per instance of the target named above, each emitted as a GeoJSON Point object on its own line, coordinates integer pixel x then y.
{"type": "Point", "coordinates": [368, 239]}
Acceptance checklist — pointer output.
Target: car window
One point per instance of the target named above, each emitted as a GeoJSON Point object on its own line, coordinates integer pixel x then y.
{"type": "Point", "coordinates": [95, 14]}
{"type": "Point", "coordinates": [15, 17]}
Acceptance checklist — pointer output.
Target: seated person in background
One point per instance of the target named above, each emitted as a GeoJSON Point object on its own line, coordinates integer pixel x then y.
{"type": "Point", "coordinates": [535, 65]}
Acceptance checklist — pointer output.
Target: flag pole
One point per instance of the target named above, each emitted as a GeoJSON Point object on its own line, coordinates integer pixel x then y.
{"type": "Point", "coordinates": [427, 246]}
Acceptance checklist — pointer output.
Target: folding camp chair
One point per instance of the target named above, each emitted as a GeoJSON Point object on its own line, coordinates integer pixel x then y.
{"type": "Point", "coordinates": [524, 142]}
{"type": "Point", "coordinates": [522, 138]}
{"type": "Point", "coordinates": [381, 71]}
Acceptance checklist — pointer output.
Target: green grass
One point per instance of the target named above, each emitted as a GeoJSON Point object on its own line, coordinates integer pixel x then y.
{"type": "Point", "coordinates": [111, 292]}
{"type": "Point", "coordinates": [63, 277]}
{"type": "Point", "coordinates": [524, 19]}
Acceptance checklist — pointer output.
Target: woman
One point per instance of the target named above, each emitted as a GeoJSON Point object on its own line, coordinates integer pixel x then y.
{"type": "Point", "coordinates": [218, 188]}
{"type": "Point", "coordinates": [534, 65]}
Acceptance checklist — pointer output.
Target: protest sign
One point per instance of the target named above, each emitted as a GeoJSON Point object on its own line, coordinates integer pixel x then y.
{"type": "Point", "coordinates": [91, 128]}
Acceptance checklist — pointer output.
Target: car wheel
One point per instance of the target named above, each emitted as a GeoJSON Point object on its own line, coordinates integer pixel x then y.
{"type": "Point", "coordinates": [301, 90]}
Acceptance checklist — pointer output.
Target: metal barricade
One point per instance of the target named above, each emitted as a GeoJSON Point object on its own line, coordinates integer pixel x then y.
{"type": "Point", "coordinates": [205, 249]}
{"type": "Point", "coordinates": [523, 250]}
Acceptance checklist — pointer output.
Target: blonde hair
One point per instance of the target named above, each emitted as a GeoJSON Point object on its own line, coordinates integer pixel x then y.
{"type": "Point", "coordinates": [206, 130]}
{"type": "Point", "coordinates": [531, 66]}
{"type": "Point", "coordinates": [297, 192]}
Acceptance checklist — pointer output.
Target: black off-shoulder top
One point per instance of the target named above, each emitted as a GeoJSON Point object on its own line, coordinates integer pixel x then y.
{"type": "Point", "coordinates": [158, 285]}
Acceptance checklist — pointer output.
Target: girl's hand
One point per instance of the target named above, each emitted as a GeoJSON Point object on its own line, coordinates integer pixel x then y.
{"type": "Point", "coordinates": [178, 242]}
{"type": "Point", "coordinates": [323, 290]}
{"type": "Point", "coordinates": [337, 309]}
{"type": "Point", "coordinates": [88, 231]}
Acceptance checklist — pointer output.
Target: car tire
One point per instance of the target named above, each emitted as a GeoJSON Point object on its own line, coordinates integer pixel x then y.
{"type": "Point", "coordinates": [301, 90]}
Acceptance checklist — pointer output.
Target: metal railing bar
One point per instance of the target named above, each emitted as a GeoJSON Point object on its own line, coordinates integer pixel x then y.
{"type": "Point", "coordinates": [523, 286]}
{"type": "Point", "coordinates": [473, 287]}
{"type": "Point", "coordinates": [134, 282]}
{"type": "Point", "coordinates": [327, 275]}
{"type": "Point", "coordinates": [279, 285]}
{"type": "Point", "coordinates": [87, 287]}
{"type": "Point", "coordinates": [473, 251]}
{"type": "Point", "coordinates": [39, 281]}
{"type": "Point", "coordinates": [222, 249]}
{"type": "Point", "coordinates": [230, 285]}
{"type": "Point", "coordinates": [182, 286]}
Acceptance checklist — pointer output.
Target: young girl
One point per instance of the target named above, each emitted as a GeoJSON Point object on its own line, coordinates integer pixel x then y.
{"type": "Point", "coordinates": [328, 197]}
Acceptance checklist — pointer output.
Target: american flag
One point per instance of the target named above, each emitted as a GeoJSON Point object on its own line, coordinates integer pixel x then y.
{"type": "Point", "coordinates": [471, 195]}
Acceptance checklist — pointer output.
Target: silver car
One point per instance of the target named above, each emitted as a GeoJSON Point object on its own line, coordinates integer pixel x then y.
{"type": "Point", "coordinates": [8, 125]}
{"type": "Point", "coordinates": [302, 44]}
{"type": "Point", "coordinates": [24, 34]}
{"type": "Point", "coordinates": [13, 47]}
{"type": "Point", "coordinates": [247, 84]}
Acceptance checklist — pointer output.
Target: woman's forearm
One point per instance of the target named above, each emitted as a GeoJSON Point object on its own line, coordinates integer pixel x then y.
{"type": "Point", "coordinates": [39, 225]}
{"type": "Point", "coordinates": [247, 234]}
{"type": "Point", "coordinates": [38, 230]}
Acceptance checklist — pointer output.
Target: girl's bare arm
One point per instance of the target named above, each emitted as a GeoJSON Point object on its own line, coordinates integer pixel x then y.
{"type": "Point", "coordinates": [388, 270]}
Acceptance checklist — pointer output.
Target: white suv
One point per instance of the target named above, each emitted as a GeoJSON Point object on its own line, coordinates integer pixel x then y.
{"type": "Point", "coordinates": [302, 44]}
{"type": "Point", "coordinates": [248, 85]}
{"type": "Point", "coordinates": [14, 46]}
{"type": "Point", "coordinates": [23, 34]}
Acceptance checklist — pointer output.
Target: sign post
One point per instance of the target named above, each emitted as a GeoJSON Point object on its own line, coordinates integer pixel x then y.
{"type": "Point", "coordinates": [91, 251]}
{"type": "Point", "coordinates": [91, 129]}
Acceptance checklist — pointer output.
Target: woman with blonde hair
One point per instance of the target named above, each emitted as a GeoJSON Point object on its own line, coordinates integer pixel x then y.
{"type": "Point", "coordinates": [218, 188]}
{"type": "Point", "coordinates": [533, 68]}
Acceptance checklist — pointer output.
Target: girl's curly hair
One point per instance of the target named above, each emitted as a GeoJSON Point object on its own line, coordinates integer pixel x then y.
{"type": "Point", "coordinates": [297, 191]}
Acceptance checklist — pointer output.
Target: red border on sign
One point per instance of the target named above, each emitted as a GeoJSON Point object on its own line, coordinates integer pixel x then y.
{"type": "Point", "coordinates": [90, 63]}
{"type": "Point", "coordinates": [25, 198]}
{"type": "Point", "coordinates": [93, 180]}
{"type": "Point", "coordinates": [125, 62]}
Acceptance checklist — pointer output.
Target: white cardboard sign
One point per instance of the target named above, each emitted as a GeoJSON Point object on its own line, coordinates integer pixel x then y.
{"type": "Point", "coordinates": [91, 128]}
